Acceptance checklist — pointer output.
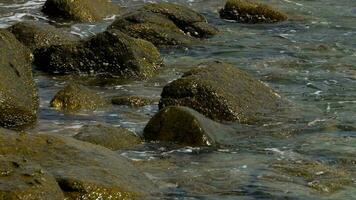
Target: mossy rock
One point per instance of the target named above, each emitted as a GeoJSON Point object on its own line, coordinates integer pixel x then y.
{"type": "Point", "coordinates": [132, 101]}
{"type": "Point", "coordinates": [165, 24]}
{"type": "Point", "coordinates": [76, 97]}
{"type": "Point", "coordinates": [21, 179]}
{"type": "Point", "coordinates": [223, 92]}
{"type": "Point", "coordinates": [82, 170]}
{"type": "Point", "coordinates": [185, 126]}
{"type": "Point", "coordinates": [316, 175]}
{"type": "Point", "coordinates": [251, 12]}
{"type": "Point", "coordinates": [80, 10]}
{"type": "Point", "coordinates": [19, 98]}
{"type": "Point", "coordinates": [111, 52]}
{"type": "Point", "coordinates": [114, 138]}
{"type": "Point", "coordinates": [35, 35]}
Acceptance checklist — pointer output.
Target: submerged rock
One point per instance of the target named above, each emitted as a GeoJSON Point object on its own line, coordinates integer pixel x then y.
{"type": "Point", "coordinates": [18, 94]}
{"type": "Point", "coordinates": [76, 97]}
{"type": "Point", "coordinates": [222, 92]}
{"type": "Point", "coordinates": [80, 10]}
{"type": "Point", "coordinates": [185, 126]}
{"type": "Point", "coordinates": [23, 179]}
{"type": "Point", "coordinates": [82, 170]}
{"type": "Point", "coordinates": [36, 35]}
{"type": "Point", "coordinates": [251, 12]}
{"type": "Point", "coordinates": [114, 138]}
{"type": "Point", "coordinates": [133, 101]}
{"type": "Point", "coordinates": [165, 24]}
{"type": "Point", "coordinates": [110, 52]}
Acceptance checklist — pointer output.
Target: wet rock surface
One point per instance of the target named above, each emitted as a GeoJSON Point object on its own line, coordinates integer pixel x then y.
{"type": "Point", "coordinates": [82, 170]}
{"type": "Point", "coordinates": [80, 10]}
{"type": "Point", "coordinates": [222, 92]}
{"type": "Point", "coordinates": [75, 97]}
{"type": "Point", "coordinates": [22, 179]}
{"type": "Point", "coordinates": [165, 24]}
{"type": "Point", "coordinates": [251, 12]}
{"type": "Point", "coordinates": [132, 101]}
{"type": "Point", "coordinates": [35, 35]}
{"type": "Point", "coordinates": [114, 138]}
{"type": "Point", "coordinates": [19, 98]}
{"type": "Point", "coordinates": [183, 125]}
{"type": "Point", "coordinates": [110, 52]}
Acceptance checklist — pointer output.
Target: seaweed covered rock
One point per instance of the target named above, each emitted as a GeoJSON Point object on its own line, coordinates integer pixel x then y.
{"type": "Point", "coordinates": [185, 126]}
{"type": "Point", "coordinates": [18, 94]}
{"type": "Point", "coordinates": [114, 138]}
{"type": "Point", "coordinates": [111, 52]}
{"type": "Point", "coordinates": [165, 24]}
{"type": "Point", "coordinates": [80, 10]}
{"type": "Point", "coordinates": [251, 12]}
{"type": "Point", "coordinates": [39, 35]}
{"type": "Point", "coordinates": [132, 101]}
{"type": "Point", "coordinates": [222, 92]}
{"type": "Point", "coordinates": [23, 179]}
{"type": "Point", "coordinates": [82, 170]}
{"type": "Point", "coordinates": [76, 97]}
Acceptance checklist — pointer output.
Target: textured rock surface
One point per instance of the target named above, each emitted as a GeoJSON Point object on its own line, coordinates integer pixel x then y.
{"type": "Point", "coordinates": [251, 12]}
{"type": "Point", "coordinates": [222, 92]}
{"type": "Point", "coordinates": [76, 97]}
{"type": "Point", "coordinates": [114, 138]}
{"type": "Point", "coordinates": [165, 24]}
{"type": "Point", "coordinates": [133, 101]}
{"type": "Point", "coordinates": [80, 10]}
{"type": "Point", "coordinates": [18, 94]}
{"type": "Point", "coordinates": [110, 52]}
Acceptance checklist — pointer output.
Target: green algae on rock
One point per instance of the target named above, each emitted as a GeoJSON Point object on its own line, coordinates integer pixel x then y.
{"type": "Point", "coordinates": [76, 97]}
{"type": "Point", "coordinates": [35, 35]}
{"type": "Point", "coordinates": [114, 138]}
{"type": "Point", "coordinates": [82, 170]}
{"type": "Point", "coordinates": [132, 101]}
{"type": "Point", "coordinates": [24, 180]}
{"type": "Point", "coordinates": [111, 52]}
{"type": "Point", "coordinates": [165, 24]}
{"type": "Point", "coordinates": [18, 94]}
{"type": "Point", "coordinates": [222, 92]}
{"type": "Point", "coordinates": [251, 12]}
{"type": "Point", "coordinates": [185, 126]}
{"type": "Point", "coordinates": [80, 10]}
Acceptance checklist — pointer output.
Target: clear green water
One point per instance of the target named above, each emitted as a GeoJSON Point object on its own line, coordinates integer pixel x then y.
{"type": "Point", "coordinates": [310, 59]}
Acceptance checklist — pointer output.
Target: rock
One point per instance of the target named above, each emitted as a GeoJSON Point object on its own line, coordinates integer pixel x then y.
{"type": "Point", "coordinates": [80, 10]}
{"type": "Point", "coordinates": [222, 92]}
{"type": "Point", "coordinates": [165, 24]}
{"type": "Point", "coordinates": [114, 138]}
{"type": "Point", "coordinates": [82, 170]}
{"type": "Point", "coordinates": [251, 12]}
{"type": "Point", "coordinates": [133, 101]}
{"type": "Point", "coordinates": [76, 97]}
{"type": "Point", "coordinates": [38, 35]}
{"type": "Point", "coordinates": [183, 125]}
{"type": "Point", "coordinates": [110, 52]}
{"type": "Point", "coordinates": [23, 179]}
{"type": "Point", "coordinates": [18, 94]}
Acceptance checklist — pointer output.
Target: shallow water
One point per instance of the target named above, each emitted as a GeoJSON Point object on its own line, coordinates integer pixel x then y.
{"type": "Point", "coordinates": [310, 59]}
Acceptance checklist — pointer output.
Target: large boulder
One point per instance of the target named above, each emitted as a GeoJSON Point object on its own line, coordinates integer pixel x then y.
{"type": "Point", "coordinates": [114, 138]}
{"type": "Point", "coordinates": [186, 126]}
{"type": "Point", "coordinates": [23, 179]}
{"type": "Point", "coordinates": [82, 170]}
{"type": "Point", "coordinates": [39, 35]}
{"type": "Point", "coordinates": [18, 94]}
{"type": "Point", "coordinates": [111, 52]}
{"type": "Point", "coordinates": [165, 24]}
{"type": "Point", "coordinates": [80, 10]}
{"type": "Point", "coordinates": [76, 97]}
{"type": "Point", "coordinates": [222, 92]}
{"type": "Point", "coordinates": [132, 101]}
{"type": "Point", "coordinates": [251, 12]}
